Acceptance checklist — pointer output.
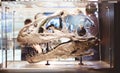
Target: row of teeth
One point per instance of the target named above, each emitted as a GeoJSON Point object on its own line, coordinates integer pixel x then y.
{"type": "Point", "coordinates": [44, 47]}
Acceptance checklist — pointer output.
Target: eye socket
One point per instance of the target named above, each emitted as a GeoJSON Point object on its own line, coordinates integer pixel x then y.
{"type": "Point", "coordinates": [81, 31]}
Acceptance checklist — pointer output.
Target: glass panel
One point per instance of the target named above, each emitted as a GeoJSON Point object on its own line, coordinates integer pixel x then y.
{"type": "Point", "coordinates": [15, 13]}
{"type": "Point", "coordinates": [0, 38]}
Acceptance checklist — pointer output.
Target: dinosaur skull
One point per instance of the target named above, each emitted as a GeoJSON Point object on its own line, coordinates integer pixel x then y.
{"type": "Point", "coordinates": [42, 42]}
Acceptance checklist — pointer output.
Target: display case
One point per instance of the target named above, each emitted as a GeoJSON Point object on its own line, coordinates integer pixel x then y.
{"type": "Point", "coordinates": [13, 55]}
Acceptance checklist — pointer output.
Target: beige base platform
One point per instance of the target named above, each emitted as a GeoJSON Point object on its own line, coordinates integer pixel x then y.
{"type": "Point", "coordinates": [55, 66]}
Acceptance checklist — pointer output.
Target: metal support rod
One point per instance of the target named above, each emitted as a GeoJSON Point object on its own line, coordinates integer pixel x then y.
{"type": "Point", "coordinates": [80, 59]}
{"type": "Point", "coordinates": [47, 63]}
{"type": "Point", "coordinates": [47, 50]}
{"type": "Point", "coordinates": [13, 36]}
{"type": "Point", "coordinates": [100, 53]}
{"type": "Point", "coordinates": [110, 49]}
{"type": "Point", "coordinates": [99, 45]}
{"type": "Point", "coordinates": [6, 37]}
{"type": "Point", "coordinates": [2, 39]}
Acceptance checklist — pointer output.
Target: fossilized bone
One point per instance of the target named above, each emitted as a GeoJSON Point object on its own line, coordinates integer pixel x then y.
{"type": "Point", "coordinates": [76, 45]}
{"type": "Point", "coordinates": [65, 50]}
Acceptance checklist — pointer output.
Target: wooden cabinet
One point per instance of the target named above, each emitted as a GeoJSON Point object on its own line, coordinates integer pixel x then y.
{"type": "Point", "coordinates": [109, 21]}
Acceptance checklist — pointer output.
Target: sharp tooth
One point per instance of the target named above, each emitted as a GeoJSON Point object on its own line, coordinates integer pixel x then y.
{"type": "Point", "coordinates": [27, 56]}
